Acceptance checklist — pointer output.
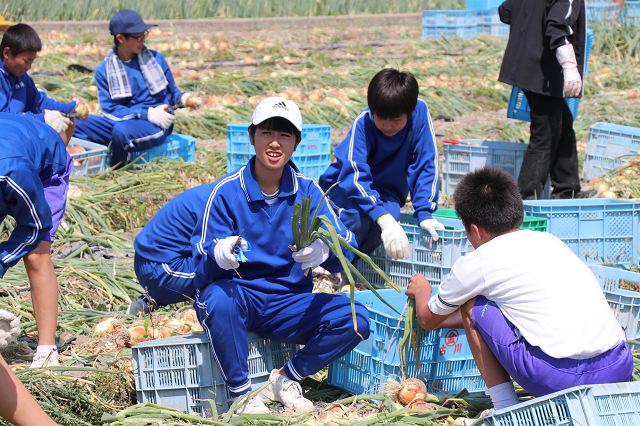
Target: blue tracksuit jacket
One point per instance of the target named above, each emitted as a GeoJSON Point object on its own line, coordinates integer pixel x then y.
{"type": "Point", "coordinates": [167, 235]}
{"type": "Point", "coordinates": [19, 95]}
{"type": "Point", "coordinates": [30, 152]}
{"type": "Point", "coordinates": [372, 167]}
{"type": "Point", "coordinates": [141, 100]}
{"type": "Point", "coordinates": [237, 205]}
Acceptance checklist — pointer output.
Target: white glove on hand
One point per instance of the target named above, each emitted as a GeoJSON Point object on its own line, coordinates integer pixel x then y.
{"type": "Point", "coordinates": [160, 117]}
{"type": "Point", "coordinates": [312, 255]}
{"type": "Point", "coordinates": [572, 81]}
{"type": "Point", "coordinates": [9, 328]}
{"type": "Point", "coordinates": [431, 225]}
{"type": "Point", "coordinates": [223, 252]}
{"type": "Point", "coordinates": [395, 241]}
{"type": "Point", "coordinates": [56, 120]}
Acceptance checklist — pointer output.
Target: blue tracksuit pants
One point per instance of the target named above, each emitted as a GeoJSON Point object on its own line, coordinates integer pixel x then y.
{"type": "Point", "coordinates": [167, 283]}
{"type": "Point", "coordinates": [367, 232]}
{"type": "Point", "coordinates": [321, 322]}
{"type": "Point", "coordinates": [127, 136]}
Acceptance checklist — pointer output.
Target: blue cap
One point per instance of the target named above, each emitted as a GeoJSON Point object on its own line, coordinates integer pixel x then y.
{"type": "Point", "coordinates": [128, 21]}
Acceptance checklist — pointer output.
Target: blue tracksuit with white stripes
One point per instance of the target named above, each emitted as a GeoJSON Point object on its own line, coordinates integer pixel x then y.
{"type": "Point", "coordinates": [376, 173]}
{"type": "Point", "coordinates": [124, 121]}
{"type": "Point", "coordinates": [164, 262]}
{"type": "Point", "coordinates": [19, 95]}
{"type": "Point", "coordinates": [30, 153]}
{"type": "Point", "coordinates": [269, 294]}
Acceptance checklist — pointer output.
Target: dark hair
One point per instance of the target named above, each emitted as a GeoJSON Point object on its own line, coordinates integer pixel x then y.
{"type": "Point", "coordinates": [278, 124]}
{"type": "Point", "coordinates": [489, 197]}
{"type": "Point", "coordinates": [392, 93]}
{"type": "Point", "coordinates": [20, 38]}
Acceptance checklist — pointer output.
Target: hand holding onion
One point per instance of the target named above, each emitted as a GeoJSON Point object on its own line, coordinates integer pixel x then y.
{"type": "Point", "coordinates": [193, 102]}
{"type": "Point", "coordinates": [82, 111]}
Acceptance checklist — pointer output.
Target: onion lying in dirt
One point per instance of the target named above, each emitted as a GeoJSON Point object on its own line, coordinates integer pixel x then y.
{"type": "Point", "coordinates": [104, 327]}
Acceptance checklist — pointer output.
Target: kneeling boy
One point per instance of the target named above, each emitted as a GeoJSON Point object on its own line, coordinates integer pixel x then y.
{"type": "Point", "coordinates": [530, 307]}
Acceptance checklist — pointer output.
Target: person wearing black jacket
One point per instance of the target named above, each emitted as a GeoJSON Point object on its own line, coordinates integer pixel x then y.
{"type": "Point", "coordinates": [545, 57]}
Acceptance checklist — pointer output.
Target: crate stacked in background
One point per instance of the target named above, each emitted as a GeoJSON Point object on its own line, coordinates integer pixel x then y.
{"type": "Point", "coordinates": [631, 13]}
{"type": "Point", "coordinates": [489, 23]}
{"type": "Point", "coordinates": [616, 285]}
{"type": "Point", "coordinates": [175, 146]}
{"type": "Point", "coordinates": [602, 11]}
{"type": "Point", "coordinates": [615, 404]}
{"type": "Point", "coordinates": [312, 156]}
{"type": "Point", "coordinates": [93, 160]}
{"type": "Point", "coordinates": [598, 230]}
{"type": "Point", "coordinates": [446, 362]}
{"type": "Point", "coordinates": [528, 222]}
{"type": "Point", "coordinates": [462, 157]}
{"type": "Point", "coordinates": [609, 146]}
{"type": "Point", "coordinates": [180, 372]}
{"type": "Point", "coordinates": [463, 23]}
{"type": "Point", "coordinates": [483, 4]}
{"type": "Point", "coordinates": [518, 107]}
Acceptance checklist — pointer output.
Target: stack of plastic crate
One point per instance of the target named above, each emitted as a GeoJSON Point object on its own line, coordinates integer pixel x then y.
{"type": "Point", "coordinates": [631, 13]}
{"type": "Point", "coordinates": [609, 146]}
{"type": "Point", "coordinates": [449, 23]}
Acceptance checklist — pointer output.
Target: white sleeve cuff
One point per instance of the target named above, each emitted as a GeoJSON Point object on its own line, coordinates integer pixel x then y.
{"type": "Point", "coordinates": [438, 306]}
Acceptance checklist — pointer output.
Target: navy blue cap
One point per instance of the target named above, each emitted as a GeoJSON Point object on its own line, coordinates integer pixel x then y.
{"type": "Point", "coordinates": [128, 21]}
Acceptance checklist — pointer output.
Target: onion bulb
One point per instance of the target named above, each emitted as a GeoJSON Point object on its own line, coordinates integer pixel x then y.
{"type": "Point", "coordinates": [602, 187]}
{"type": "Point", "coordinates": [411, 389]}
{"type": "Point", "coordinates": [608, 194]}
{"type": "Point", "coordinates": [82, 111]}
{"type": "Point", "coordinates": [194, 102]}
{"type": "Point", "coordinates": [419, 404]}
{"type": "Point", "coordinates": [188, 316]}
{"type": "Point", "coordinates": [105, 326]}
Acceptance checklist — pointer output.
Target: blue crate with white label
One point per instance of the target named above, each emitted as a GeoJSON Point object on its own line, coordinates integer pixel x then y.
{"type": "Point", "coordinates": [483, 4]}
{"type": "Point", "coordinates": [445, 359]}
{"type": "Point", "coordinates": [93, 160]}
{"type": "Point", "coordinates": [449, 23]}
{"type": "Point", "coordinates": [180, 372]}
{"type": "Point", "coordinates": [518, 107]}
{"type": "Point", "coordinates": [598, 230]}
{"type": "Point", "coordinates": [615, 404]}
{"type": "Point", "coordinates": [609, 146]}
{"type": "Point", "coordinates": [312, 156]}
{"type": "Point", "coordinates": [433, 259]}
{"type": "Point", "coordinates": [624, 303]}
{"type": "Point", "coordinates": [462, 157]}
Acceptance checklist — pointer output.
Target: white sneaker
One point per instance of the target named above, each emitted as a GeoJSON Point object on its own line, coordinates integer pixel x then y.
{"type": "Point", "coordinates": [288, 393]}
{"type": "Point", "coordinates": [253, 406]}
{"type": "Point", "coordinates": [45, 359]}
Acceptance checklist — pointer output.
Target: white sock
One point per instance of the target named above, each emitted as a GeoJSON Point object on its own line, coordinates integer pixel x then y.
{"type": "Point", "coordinates": [503, 395]}
{"type": "Point", "coordinates": [45, 349]}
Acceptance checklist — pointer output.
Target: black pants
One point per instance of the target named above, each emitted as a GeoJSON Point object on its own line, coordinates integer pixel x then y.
{"type": "Point", "coordinates": [552, 149]}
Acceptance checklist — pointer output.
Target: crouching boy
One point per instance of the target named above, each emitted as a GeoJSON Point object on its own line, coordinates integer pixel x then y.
{"type": "Point", "coordinates": [530, 307]}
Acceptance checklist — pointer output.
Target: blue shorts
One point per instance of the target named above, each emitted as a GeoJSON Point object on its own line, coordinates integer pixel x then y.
{"type": "Point", "coordinates": [538, 373]}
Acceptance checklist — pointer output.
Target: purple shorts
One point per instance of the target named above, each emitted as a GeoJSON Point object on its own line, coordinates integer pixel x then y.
{"type": "Point", "coordinates": [538, 373]}
{"type": "Point", "coordinates": [55, 192]}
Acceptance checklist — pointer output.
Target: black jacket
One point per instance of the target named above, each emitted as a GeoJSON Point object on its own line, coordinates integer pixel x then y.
{"type": "Point", "coordinates": [537, 29]}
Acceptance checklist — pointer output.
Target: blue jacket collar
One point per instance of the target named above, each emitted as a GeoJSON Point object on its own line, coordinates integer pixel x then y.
{"type": "Point", "coordinates": [288, 185]}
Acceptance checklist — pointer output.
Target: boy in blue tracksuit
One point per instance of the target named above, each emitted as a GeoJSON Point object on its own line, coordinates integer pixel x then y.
{"type": "Point", "coordinates": [135, 90]}
{"type": "Point", "coordinates": [270, 292]}
{"type": "Point", "coordinates": [18, 93]}
{"type": "Point", "coordinates": [34, 180]}
{"type": "Point", "coordinates": [164, 262]}
{"type": "Point", "coordinates": [389, 152]}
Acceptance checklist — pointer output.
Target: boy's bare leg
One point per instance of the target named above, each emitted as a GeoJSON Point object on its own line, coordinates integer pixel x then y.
{"type": "Point", "coordinates": [44, 291]}
{"type": "Point", "coordinates": [16, 403]}
{"type": "Point", "coordinates": [490, 368]}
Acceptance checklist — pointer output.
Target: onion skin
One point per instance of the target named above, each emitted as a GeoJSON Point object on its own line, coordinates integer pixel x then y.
{"type": "Point", "coordinates": [608, 194]}
{"type": "Point", "coordinates": [411, 389]}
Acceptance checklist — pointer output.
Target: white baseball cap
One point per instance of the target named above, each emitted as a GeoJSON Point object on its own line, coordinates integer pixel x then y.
{"type": "Point", "coordinates": [277, 107]}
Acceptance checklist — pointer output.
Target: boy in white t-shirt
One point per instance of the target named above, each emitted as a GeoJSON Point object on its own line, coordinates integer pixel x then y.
{"type": "Point", "coordinates": [531, 309]}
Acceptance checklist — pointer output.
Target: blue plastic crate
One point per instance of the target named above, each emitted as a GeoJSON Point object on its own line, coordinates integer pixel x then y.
{"type": "Point", "coordinates": [602, 11]}
{"type": "Point", "coordinates": [624, 303]}
{"type": "Point", "coordinates": [631, 13]}
{"type": "Point", "coordinates": [518, 107]}
{"type": "Point", "coordinates": [489, 23]}
{"type": "Point", "coordinates": [433, 259]}
{"type": "Point", "coordinates": [616, 404]}
{"type": "Point", "coordinates": [446, 362]}
{"type": "Point", "coordinates": [176, 146]}
{"type": "Point", "coordinates": [178, 371]}
{"type": "Point", "coordinates": [93, 161]}
{"type": "Point", "coordinates": [312, 157]}
{"type": "Point", "coordinates": [472, 154]}
{"type": "Point", "coordinates": [449, 23]}
{"type": "Point", "coordinates": [609, 146]}
{"type": "Point", "coordinates": [598, 230]}
{"type": "Point", "coordinates": [483, 4]}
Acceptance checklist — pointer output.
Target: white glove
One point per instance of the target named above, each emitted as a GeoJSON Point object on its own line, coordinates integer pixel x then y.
{"type": "Point", "coordinates": [572, 81]}
{"type": "Point", "coordinates": [9, 328]}
{"type": "Point", "coordinates": [431, 225]}
{"type": "Point", "coordinates": [312, 255]}
{"type": "Point", "coordinates": [394, 238]}
{"type": "Point", "coordinates": [56, 120]}
{"type": "Point", "coordinates": [223, 252]}
{"type": "Point", "coordinates": [160, 117]}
